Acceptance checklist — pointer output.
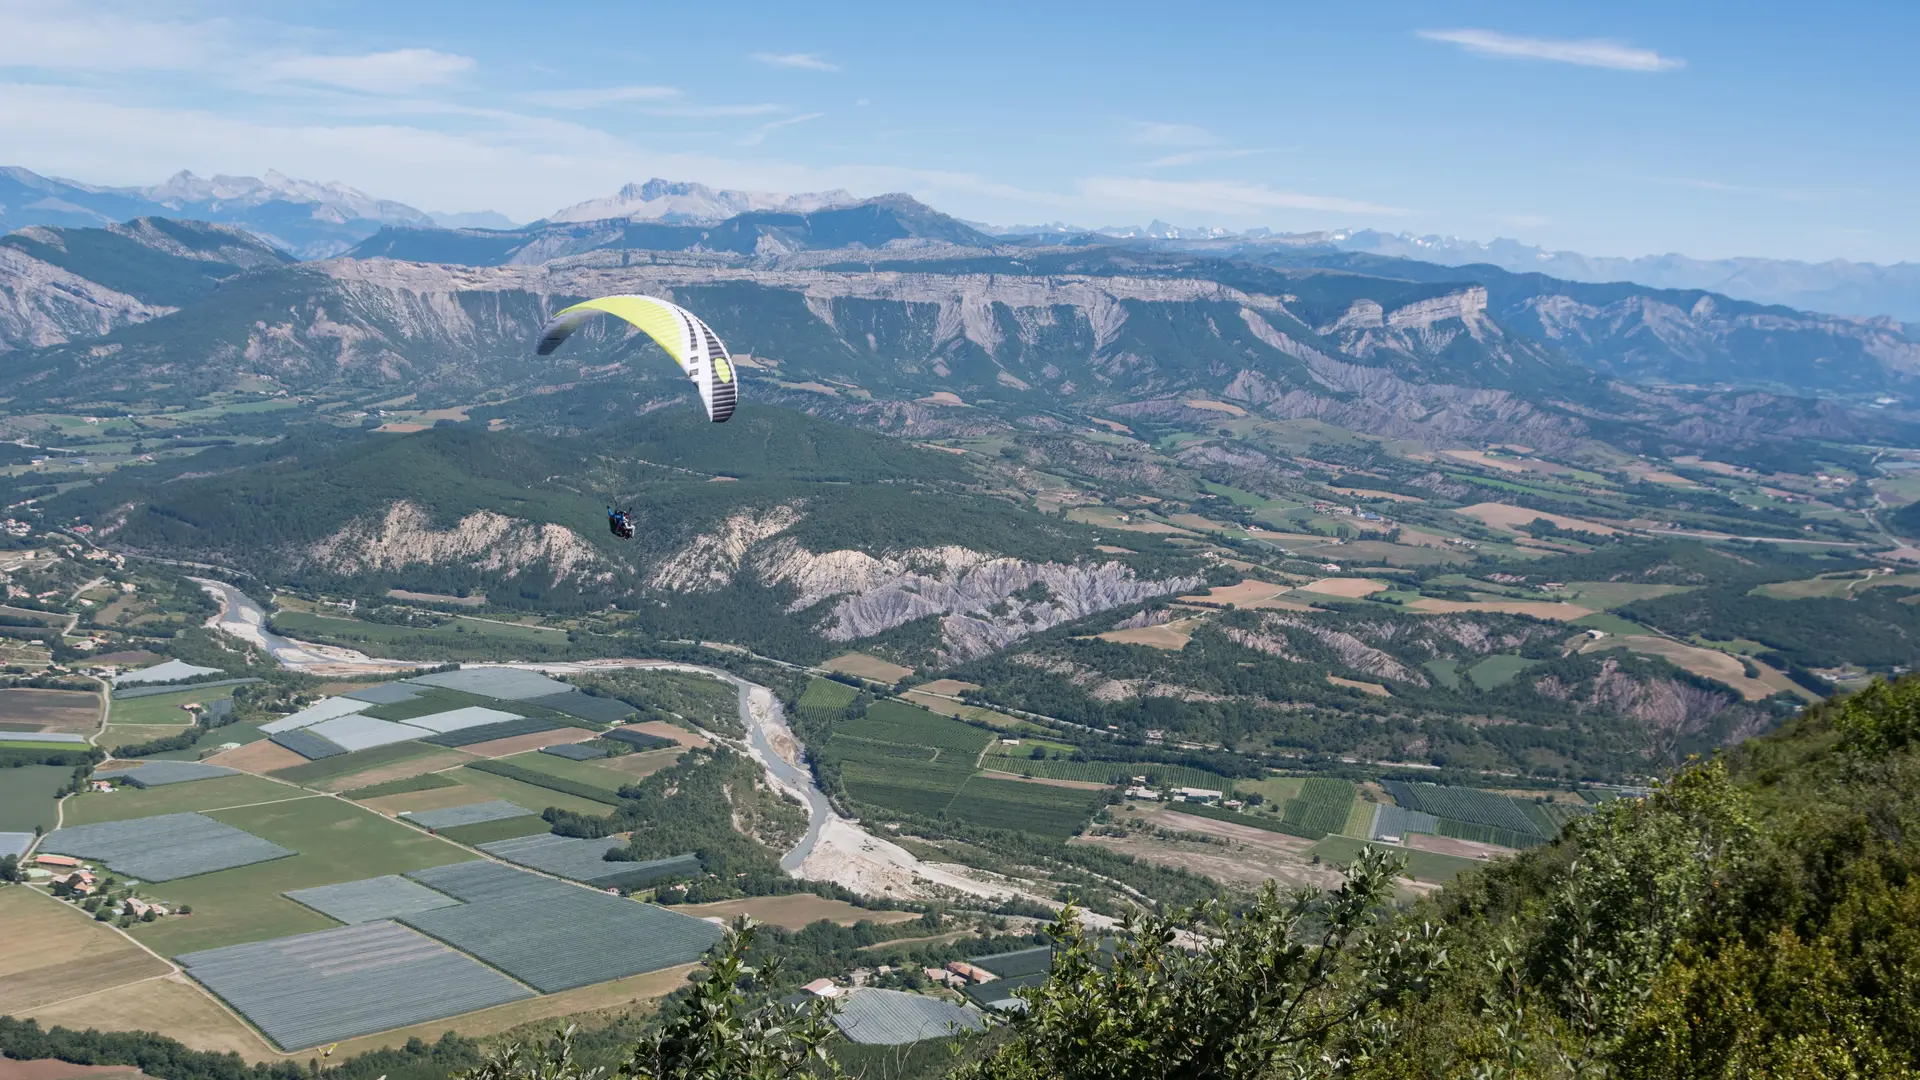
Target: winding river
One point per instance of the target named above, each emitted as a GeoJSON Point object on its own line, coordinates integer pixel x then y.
{"type": "Point", "coordinates": [761, 715]}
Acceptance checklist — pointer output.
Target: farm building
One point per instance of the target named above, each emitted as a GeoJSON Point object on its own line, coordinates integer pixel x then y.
{"type": "Point", "coordinates": [1199, 795]}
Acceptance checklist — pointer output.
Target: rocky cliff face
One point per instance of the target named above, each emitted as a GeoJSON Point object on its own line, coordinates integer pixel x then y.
{"type": "Point", "coordinates": [984, 602]}
{"type": "Point", "coordinates": [486, 541]}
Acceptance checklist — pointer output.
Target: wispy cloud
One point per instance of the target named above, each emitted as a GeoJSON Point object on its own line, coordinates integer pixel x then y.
{"type": "Point", "coordinates": [805, 61]}
{"type": "Point", "coordinates": [762, 109]}
{"type": "Point", "coordinates": [1155, 133]}
{"type": "Point", "coordinates": [1196, 157]}
{"type": "Point", "coordinates": [52, 35]}
{"type": "Point", "coordinates": [1586, 53]}
{"type": "Point", "coordinates": [1224, 197]}
{"type": "Point", "coordinates": [375, 73]}
{"type": "Point", "coordinates": [601, 96]}
{"type": "Point", "coordinates": [759, 135]}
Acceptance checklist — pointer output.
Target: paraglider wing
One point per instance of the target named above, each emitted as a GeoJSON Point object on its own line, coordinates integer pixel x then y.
{"type": "Point", "coordinates": [692, 344]}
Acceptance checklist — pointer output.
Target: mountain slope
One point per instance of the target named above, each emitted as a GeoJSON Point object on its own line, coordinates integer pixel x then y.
{"type": "Point", "coordinates": [819, 534]}
{"type": "Point", "coordinates": [60, 284]}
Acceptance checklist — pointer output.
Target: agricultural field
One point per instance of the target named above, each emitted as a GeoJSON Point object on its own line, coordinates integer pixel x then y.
{"type": "Point", "coordinates": [50, 710]}
{"type": "Point", "coordinates": [1106, 772]}
{"type": "Point", "coordinates": [295, 990]}
{"type": "Point", "coordinates": [27, 796]}
{"type": "Point", "coordinates": [171, 1004]}
{"type": "Point", "coordinates": [165, 847]}
{"type": "Point", "coordinates": [332, 840]}
{"type": "Point", "coordinates": [1466, 805]}
{"type": "Point", "coordinates": [528, 795]}
{"type": "Point", "coordinates": [56, 951]}
{"type": "Point", "coordinates": [162, 708]}
{"type": "Point", "coordinates": [487, 832]}
{"type": "Point", "coordinates": [1322, 805]}
{"type": "Point", "coordinates": [592, 773]}
{"type": "Point", "coordinates": [363, 763]}
{"type": "Point", "coordinates": [1424, 866]}
{"type": "Point", "coordinates": [1042, 809]}
{"type": "Point", "coordinates": [868, 667]}
{"type": "Point", "coordinates": [531, 927]}
{"type": "Point", "coordinates": [220, 791]}
{"type": "Point", "coordinates": [1498, 670]}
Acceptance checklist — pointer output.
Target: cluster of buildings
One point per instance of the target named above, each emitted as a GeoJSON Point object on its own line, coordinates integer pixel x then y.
{"type": "Point", "coordinates": [81, 882]}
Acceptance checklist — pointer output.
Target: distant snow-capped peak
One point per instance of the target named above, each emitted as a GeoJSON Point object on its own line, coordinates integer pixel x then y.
{"type": "Point", "coordinates": [331, 199]}
{"type": "Point", "coordinates": [678, 202]}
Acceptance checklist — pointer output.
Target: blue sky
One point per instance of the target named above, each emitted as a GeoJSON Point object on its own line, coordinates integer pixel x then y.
{"type": "Point", "coordinates": [1624, 128]}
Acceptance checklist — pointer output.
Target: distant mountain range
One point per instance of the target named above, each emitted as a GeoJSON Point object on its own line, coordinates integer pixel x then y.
{"type": "Point", "coordinates": [677, 203]}
{"type": "Point", "coordinates": [319, 220]}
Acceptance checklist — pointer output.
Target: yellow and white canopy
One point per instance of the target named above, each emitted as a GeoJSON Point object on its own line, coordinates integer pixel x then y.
{"type": "Point", "coordinates": [692, 344]}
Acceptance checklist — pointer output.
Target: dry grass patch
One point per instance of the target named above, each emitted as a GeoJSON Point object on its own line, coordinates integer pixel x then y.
{"type": "Point", "coordinates": [397, 770]}
{"type": "Point", "coordinates": [867, 667]}
{"type": "Point", "coordinates": [1171, 636]}
{"type": "Point", "coordinates": [1208, 405]}
{"type": "Point", "coordinates": [1248, 593]}
{"type": "Point", "coordinates": [171, 1005]}
{"type": "Point", "coordinates": [1510, 517]}
{"type": "Point", "coordinates": [1365, 687]}
{"type": "Point", "coordinates": [941, 397]}
{"type": "Point", "coordinates": [640, 765]}
{"type": "Point", "coordinates": [1350, 587]}
{"type": "Point", "coordinates": [1369, 493]}
{"type": "Point", "coordinates": [794, 911]}
{"type": "Point", "coordinates": [1077, 785]}
{"type": "Point", "coordinates": [1555, 610]}
{"type": "Point", "coordinates": [259, 758]}
{"type": "Point", "coordinates": [51, 710]}
{"type": "Point", "coordinates": [672, 731]}
{"type": "Point", "coordinates": [947, 686]}
{"type": "Point", "coordinates": [1706, 663]}
{"type": "Point", "coordinates": [1447, 845]}
{"type": "Point", "coordinates": [56, 951]}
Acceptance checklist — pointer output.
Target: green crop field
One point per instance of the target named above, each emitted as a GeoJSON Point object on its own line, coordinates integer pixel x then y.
{"type": "Point", "coordinates": [827, 695]}
{"type": "Point", "coordinates": [1276, 790]}
{"type": "Point", "coordinates": [162, 708]}
{"type": "Point", "coordinates": [341, 765]}
{"type": "Point", "coordinates": [1322, 806]}
{"type": "Point", "coordinates": [129, 802]}
{"type": "Point", "coordinates": [423, 782]}
{"type": "Point", "coordinates": [898, 722]}
{"type": "Point", "coordinates": [333, 841]}
{"type": "Point", "coordinates": [533, 798]}
{"type": "Point", "coordinates": [1498, 670]}
{"type": "Point", "coordinates": [231, 733]}
{"type": "Point", "coordinates": [26, 796]}
{"type": "Point", "coordinates": [1485, 834]}
{"type": "Point", "coordinates": [1041, 809]}
{"type": "Point", "coordinates": [1445, 672]}
{"type": "Point", "coordinates": [486, 832]}
{"type": "Point", "coordinates": [1421, 865]}
{"type": "Point", "coordinates": [1359, 820]}
{"type": "Point", "coordinates": [1463, 804]}
{"type": "Point", "coordinates": [580, 772]}
{"type": "Point", "coordinates": [1158, 774]}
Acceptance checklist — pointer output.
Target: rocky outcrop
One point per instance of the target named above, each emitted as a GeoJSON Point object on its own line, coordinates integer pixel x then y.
{"type": "Point", "coordinates": [405, 536]}
{"type": "Point", "coordinates": [1354, 653]}
{"type": "Point", "coordinates": [712, 559]}
{"type": "Point", "coordinates": [41, 304]}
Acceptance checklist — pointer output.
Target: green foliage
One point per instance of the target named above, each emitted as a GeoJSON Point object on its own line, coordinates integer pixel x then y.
{"type": "Point", "coordinates": [721, 1030]}
{"type": "Point", "coordinates": [1275, 981]}
{"type": "Point", "coordinates": [163, 1058]}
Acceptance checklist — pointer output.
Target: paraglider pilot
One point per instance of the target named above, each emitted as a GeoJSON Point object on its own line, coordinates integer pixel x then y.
{"type": "Point", "coordinates": [620, 522]}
